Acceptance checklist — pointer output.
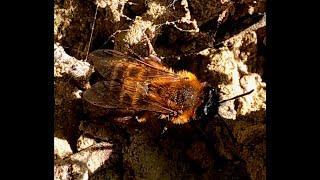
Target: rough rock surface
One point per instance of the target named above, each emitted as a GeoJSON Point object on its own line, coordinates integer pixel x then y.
{"type": "Point", "coordinates": [221, 42]}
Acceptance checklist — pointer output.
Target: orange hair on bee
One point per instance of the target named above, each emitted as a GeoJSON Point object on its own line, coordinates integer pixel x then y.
{"type": "Point", "coordinates": [187, 75]}
{"type": "Point", "coordinates": [192, 79]}
{"type": "Point", "coordinates": [184, 117]}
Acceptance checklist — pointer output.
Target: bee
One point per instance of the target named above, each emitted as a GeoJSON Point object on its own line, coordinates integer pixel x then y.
{"type": "Point", "coordinates": [145, 85]}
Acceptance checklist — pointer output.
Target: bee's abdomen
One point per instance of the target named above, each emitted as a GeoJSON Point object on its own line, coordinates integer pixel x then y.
{"type": "Point", "coordinates": [123, 82]}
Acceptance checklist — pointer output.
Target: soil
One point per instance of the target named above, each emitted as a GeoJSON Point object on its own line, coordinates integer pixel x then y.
{"type": "Point", "coordinates": [222, 42]}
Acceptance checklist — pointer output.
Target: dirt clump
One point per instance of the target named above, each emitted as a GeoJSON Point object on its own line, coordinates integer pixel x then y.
{"type": "Point", "coordinates": [221, 42]}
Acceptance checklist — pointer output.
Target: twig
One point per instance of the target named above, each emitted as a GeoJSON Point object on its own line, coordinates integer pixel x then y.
{"type": "Point", "coordinates": [92, 28]}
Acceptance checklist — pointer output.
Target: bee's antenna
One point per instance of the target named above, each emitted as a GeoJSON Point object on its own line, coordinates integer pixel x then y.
{"type": "Point", "coordinates": [244, 94]}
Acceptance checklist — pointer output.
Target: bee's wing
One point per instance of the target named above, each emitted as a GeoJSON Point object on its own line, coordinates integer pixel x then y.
{"type": "Point", "coordinates": [102, 59]}
{"type": "Point", "coordinates": [103, 53]}
{"type": "Point", "coordinates": [126, 82]}
{"type": "Point", "coordinates": [105, 59]}
{"type": "Point", "coordinates": [99, 96]}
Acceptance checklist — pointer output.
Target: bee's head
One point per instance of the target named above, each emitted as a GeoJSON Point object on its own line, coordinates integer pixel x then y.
{"type": "Point", "coordinates": [210, 102]}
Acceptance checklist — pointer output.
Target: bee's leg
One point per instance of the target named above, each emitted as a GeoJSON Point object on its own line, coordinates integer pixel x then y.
{"type": "Point", "coordinates": [164, 130]}
{"type": "Point", "coordinates": [122, 120]}
{"type": "Point", "coordinates": [162, 136]}
{"type": "Point", "coordinates": [155, 58]}
{"type": "Point", "coordinates": [220, 119]}
{"type": "Point", "coordinates": [141, 119]}
{"type": "Point", "coordinates": [164, 125]}
{"type": "Point", "coordinates": [133, 54]}
{"type": "Point", "coordinates": [203, 134]}
{"type": "Point", "coordinates": [152, 53]}
{"type": "Point", "coordinates": [225, 140]}
{"type": "Point", "coordinates": [150, 47]}
{"type": "Point", "coordinates": [207, 136]}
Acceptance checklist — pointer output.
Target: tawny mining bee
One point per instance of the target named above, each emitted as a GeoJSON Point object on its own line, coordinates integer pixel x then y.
{"type": "Point", "coordinates": [144, 84]}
